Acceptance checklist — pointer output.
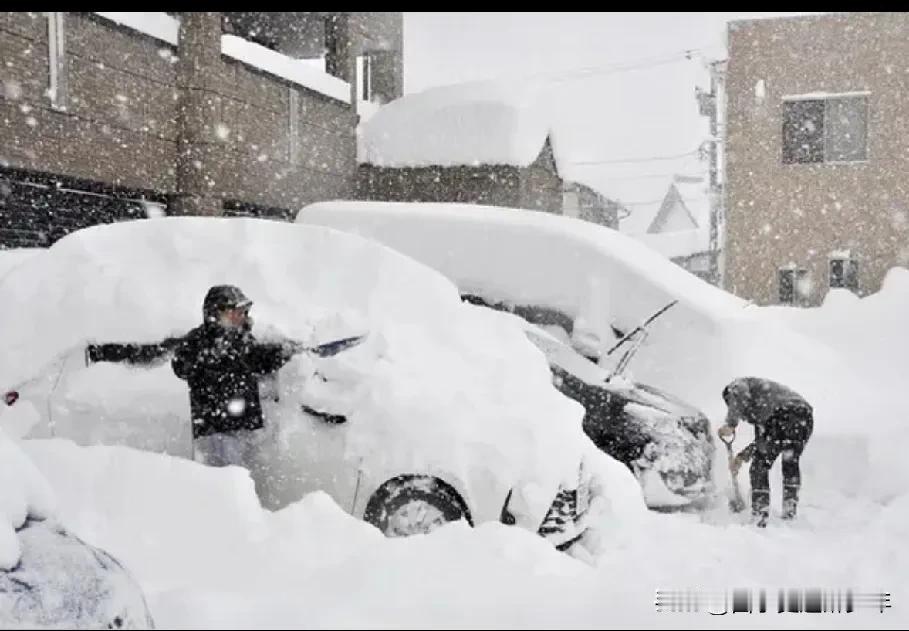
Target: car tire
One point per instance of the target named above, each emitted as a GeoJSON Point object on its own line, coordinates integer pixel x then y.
{"type": "Point", "coordinates": [411, 505]}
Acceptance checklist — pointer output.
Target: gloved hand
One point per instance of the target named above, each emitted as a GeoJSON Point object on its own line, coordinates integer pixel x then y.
{"type": "Point", "coordinates": [726, 432]}
{"type": "Point", "coordinates": [737, 463]}
{"type": "Point", "coordinates": [293, 347]}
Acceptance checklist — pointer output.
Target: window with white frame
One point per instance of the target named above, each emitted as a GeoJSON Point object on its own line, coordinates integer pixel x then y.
{"type": "Point", "coordinates": [844, 273]}
{"type": "Point", "coordinates": [825, 129]}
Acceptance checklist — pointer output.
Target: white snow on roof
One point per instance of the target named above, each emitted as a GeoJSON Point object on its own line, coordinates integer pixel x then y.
{"type": "Point", "coordinates": [649, 130]}
{"type": "Point", "coordinates": [483, 122]}
{"type": "Point", "coordinates": [157, 24]}
{"type": "Point", "coordinates": [298, 71]}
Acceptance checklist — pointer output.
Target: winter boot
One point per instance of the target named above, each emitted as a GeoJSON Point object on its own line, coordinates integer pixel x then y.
{"type": "Point", "coordinates": [760, 507]}
{"type": "Point", "coordinates": [790, 501]}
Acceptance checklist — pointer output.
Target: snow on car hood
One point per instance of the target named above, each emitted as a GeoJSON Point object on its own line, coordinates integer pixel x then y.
{"type": "Point", "coordinates": [435, 379]}
{"type": "Point", "coordinates": [24, 493]}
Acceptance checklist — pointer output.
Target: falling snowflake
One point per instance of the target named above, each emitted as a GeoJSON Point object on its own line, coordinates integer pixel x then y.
{"type": "Point", "coordinates": [197, 164]}
{"type": "Point", "coordinates": [222, 131]}
{"type": "Point", "coordinates": [12, 90]}
{"type": "Point", "coordinates": [121, 98]}
{"type": "Point", "coordinates": [31, 121]}
{"type": "Point", "coordinates": [236, 407]}
{"type": "Point", "coordinates": [262, 157]}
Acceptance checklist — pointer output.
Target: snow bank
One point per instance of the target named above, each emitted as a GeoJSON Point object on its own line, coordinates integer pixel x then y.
{"type": "Point", "coordinates": [484, 122]}
{"type": "Point", "coordinates": [436, 385]}
{"type": "Point", "coordinates": [676, 244]}
{"type": "Point", "coordinates": [208, 557]}
{"type": "Point", "coordinates": [294, 70]}
{"type": "Point", "coordinates": [24, 493]}
{"type": "Point", "coordinates": [157, 24]}
{"type": "Point", "coordinates": [11, 258]}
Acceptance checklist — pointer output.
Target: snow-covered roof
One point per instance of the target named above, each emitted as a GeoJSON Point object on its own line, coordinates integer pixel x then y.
{"type": "Point", "coordinates": [299, 71]}
{"type": "Point", "coordinates": [157, 24]}
{"type": "Point", "coordinates": [484, 122]}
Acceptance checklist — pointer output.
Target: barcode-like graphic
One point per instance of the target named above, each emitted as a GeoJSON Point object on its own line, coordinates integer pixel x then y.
{"type": "Point", "coordinates": [788, 600]}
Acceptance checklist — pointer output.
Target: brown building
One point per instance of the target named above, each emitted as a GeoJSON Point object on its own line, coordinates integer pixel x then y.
{"type": "Point", "coordinates": [816, 155]}
{"type": "Point", "coordinates": [536, 186]}
{"type": "Point", "coordinates": [201, 113]}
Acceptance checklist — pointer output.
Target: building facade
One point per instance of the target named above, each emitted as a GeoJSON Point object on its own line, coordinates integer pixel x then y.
{"type": "Point", "coordinates": [816, 154]}
{"type": "Point", "coordinates": [197, 112]}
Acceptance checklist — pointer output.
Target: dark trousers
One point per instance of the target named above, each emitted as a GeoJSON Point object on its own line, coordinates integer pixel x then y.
{"type": "Point", "coordinates": [784, 434]}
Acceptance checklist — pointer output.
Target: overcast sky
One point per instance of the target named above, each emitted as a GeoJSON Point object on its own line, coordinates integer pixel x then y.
{"type": "Point", "coordinates": [648, 111]}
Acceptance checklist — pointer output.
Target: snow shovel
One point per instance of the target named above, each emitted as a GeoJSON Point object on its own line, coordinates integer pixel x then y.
{"type": "Point", "coordinates": [736, 503]}
{"type": "Point", "coordinates": [333, 348]}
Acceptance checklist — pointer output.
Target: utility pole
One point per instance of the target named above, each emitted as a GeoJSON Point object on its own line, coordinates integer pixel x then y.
{"type": "Point", "coordinates": [709, 105]}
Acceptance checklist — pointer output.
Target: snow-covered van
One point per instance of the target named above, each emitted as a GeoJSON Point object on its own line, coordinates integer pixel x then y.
{"type": "Point", "coordinates": [450, 413]}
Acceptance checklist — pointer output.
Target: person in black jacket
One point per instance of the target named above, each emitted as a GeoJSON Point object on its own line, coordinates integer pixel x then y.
{"type": "Point", "coordinates": [783, 422]}
{"type": "Point", "coordinates": [222, 363]}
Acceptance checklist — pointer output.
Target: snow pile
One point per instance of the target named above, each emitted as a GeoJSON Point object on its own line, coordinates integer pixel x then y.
{"type": "Point", "coordinates": [484, 122]}
{"type": "Point", "coordinates": [11, 258]}
{"type": "Point", "coordinates": [869, 334]}
{"type": "Point", "coordinates": [497, 250]}
{"type": "Point", "coordinates": [157, 24]}
{"type": "Point", "coordinates": [285, 67]}
{"type": "Point", "coordinates": [24, 494]}
{"type": "Point", "coordinates": [679, 243]}
{"type": "Point", "coordinates": [601, 277]}
{"type": "Point", "coordinates": [437, 385]}
{"type": "Point", "coordinates": [208, 557]}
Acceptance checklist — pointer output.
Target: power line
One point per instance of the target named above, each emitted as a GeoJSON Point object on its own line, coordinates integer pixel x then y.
{"type": "Point", "coordinates": [592, 71]}
{"type": "Point", "coordinates": [657, 201]}
{"type": "Point", "coordinates": [645, 176]}
{"type": "Point", "coordinates": [581, 72]}
{"type": "Point", "coordinates": [636, 160]}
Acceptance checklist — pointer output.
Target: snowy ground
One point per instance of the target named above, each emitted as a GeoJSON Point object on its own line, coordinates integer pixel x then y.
{"type": "Point", "coordinates": [209, 556]}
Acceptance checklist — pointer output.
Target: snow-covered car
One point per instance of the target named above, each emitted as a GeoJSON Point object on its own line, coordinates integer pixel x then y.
{"type": "Point", "coordinates": [50, 578]}
{"type": "Point", "coordinates": [664, 441]}
{"type": "Point", "coordinates": [583, 297]}
{"type": "Point", "coordinates": [449, 415]}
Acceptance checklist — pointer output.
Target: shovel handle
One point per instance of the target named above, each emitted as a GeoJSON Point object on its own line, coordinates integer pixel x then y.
{"type": "Point", "coordinates": [727, 441]}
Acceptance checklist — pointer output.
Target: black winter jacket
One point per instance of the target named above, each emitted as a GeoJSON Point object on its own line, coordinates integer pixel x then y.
{"type": "Point", "coordinates": [223, 367]}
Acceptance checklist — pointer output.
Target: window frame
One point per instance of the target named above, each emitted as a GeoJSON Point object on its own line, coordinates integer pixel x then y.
{"type": "Point", "coordinates": [826, 98]}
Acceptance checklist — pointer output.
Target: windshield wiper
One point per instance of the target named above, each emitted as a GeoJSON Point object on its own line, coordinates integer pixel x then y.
{"type": "Point", "coordinates": [630, 353]}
